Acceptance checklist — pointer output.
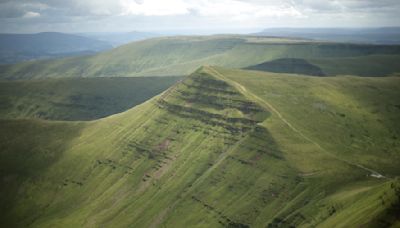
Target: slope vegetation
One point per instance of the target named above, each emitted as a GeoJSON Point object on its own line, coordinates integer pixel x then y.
{"type": "Point", "coordinates": [222, 148]}
{"type": "Point", "coordinates": [182, 55]}
{"type": "Point", "coordinates": [77, 98]}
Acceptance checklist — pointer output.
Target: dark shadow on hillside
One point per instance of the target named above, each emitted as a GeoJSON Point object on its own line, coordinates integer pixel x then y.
{"type": "Point", "coordinates": [77, 98]}
{"type": "Point", "coordinates": [27, 149]}
{"type": "Point", "coordinates": [289, 65]}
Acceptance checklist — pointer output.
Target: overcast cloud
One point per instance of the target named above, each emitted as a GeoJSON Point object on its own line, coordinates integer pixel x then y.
{"type": "Point", "coordinates": [18, 16]}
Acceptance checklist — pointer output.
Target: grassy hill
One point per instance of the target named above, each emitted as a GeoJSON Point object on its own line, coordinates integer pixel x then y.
{"type": "Point", "coordinates": [182, 55]}
{"type": "Point", "coordinates": [383, 35]}
{"type": "Point", "coordinates": [77, 98]}
{"type": "Point", "coordinates": [120, 38]}
{"type": "Point", "coordinates": [222, 148]}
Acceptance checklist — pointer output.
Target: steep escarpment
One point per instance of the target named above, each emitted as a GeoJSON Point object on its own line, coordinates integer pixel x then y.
{"type": "Point", "coordinates": [207, 152]}
{"type": "Point", "coordinates": [128, 168]}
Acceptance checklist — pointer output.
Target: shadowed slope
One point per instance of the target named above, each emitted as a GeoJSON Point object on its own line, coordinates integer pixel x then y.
{"type": "Point", "coordinates": [77, 98]}
{"type": "Point", "coordinates": [28, 148]}
{"type": "Point", "coordinates": [296, 66]}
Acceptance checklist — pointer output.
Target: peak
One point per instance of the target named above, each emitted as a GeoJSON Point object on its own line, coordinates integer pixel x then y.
{"type": "Point", "coordinates": [209, 71]}
{"type": "Point", "coordinates": [207, 68]}
{"type": "Point", "coordinates": [203, 67]}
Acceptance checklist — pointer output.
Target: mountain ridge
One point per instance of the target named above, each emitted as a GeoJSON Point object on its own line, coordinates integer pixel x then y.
{"type": "Point", "coordinates": [206, 153]}
{"type": "Point", "coordinates": [172, 56]}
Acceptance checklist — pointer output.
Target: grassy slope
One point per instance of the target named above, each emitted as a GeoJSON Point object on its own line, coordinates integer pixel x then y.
{"type": "Point", "coordinates": [182, 55]}
{"type": "Point", "coordinates": [369, 65]}
{"type": "Point", "coordinates": [352, 115]}
{"type": "Point", "coordinates": [27, 149]}
{"type": "Point", "coordinates": [209, 152]}
{"type": "Point", "coordinates": [76, 99]}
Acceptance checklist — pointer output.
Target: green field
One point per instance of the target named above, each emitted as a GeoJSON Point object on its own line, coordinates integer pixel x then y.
{"type": "Point", "coordinates": [222, 148]}
{"type": "Point", "coordinates": [173, 56]}
{"type": "Point", "coordinates": [77, 98]}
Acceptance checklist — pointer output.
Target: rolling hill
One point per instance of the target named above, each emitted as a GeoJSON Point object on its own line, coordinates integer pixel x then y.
{"type": "Point", "coordinates": [120, 38]}
{"type": "Point", "coordinates": [222, 148]}
{"type": "Point", "coordinates": [171, 56]}
{"type": "Point", "coordinates": [76, 98]}
{"type": "Point", "coordinates": [384, 35]}
{"type": "Point", "coordinates": [22, 47]}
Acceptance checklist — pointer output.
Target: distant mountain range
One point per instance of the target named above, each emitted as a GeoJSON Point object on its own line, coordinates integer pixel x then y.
{"type": "Point", "coordinates": [16, 48]}
{"type": "Point", "coordinates": [120, 38]}
{"type": "Point", "coordinates": [174, 56]}
{"type": "Point", "coordinates": [386, 35]}
{"type": "Point", "coordinates": [22, 47]}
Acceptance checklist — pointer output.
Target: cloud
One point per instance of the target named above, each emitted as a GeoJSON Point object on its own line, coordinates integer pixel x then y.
{"type": "Point", "coordinates": [31, 14]}
{"type": "Point", "coordinates": [222, 8]}
{"type": "Point", "coordinates": [233, 9]}
{"type": "Point", "coordinates": [74, 15]}
{"type": "Point", "coordinates": [20, 9]}
{"type": "Point", "coordinates": [154, 7]}
{"type": "Point", "coordinates": [346, 6]}
{"type": "Point", "coordinates": [236, 9]}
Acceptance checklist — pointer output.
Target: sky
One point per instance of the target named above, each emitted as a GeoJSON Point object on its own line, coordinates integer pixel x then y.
{"type": "Point", "coordinates": [191, 16]}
